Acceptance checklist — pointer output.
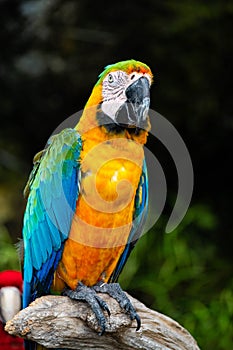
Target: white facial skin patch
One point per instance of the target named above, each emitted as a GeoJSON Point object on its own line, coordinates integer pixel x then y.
{"type": "Point", "coordinates": [114, 88]}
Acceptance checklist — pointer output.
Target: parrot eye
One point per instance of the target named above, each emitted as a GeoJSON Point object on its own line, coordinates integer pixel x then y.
{"type": "Point", "coordinates": [110, 78]}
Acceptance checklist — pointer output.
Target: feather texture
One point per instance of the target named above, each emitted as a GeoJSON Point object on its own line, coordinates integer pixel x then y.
{"type": "Point", "coordinates": [53, 187]}
{"type": "Point", "coordinates": [139, 217]}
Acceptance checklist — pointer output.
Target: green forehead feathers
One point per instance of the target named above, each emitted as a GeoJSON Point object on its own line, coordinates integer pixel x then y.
{"type": "Point", "coordinates": [128, 66]}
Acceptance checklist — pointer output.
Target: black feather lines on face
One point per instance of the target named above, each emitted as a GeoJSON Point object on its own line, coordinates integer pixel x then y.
{"type": "Point", "coordinates": [112, 127]}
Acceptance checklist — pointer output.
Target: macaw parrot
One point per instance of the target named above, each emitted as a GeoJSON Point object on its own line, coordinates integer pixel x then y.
{"type": "Point", "coordinates": [87, 195]}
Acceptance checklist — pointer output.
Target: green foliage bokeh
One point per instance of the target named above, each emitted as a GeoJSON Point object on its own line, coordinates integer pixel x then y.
{"type": "Point", "coordinates": [185, 278]}
{"type": "Point", "coordinates": [9, 259]}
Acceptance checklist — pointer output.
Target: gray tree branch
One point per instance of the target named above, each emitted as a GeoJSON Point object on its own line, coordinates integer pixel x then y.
{"type": "Point", "coordinates": [58, 322]}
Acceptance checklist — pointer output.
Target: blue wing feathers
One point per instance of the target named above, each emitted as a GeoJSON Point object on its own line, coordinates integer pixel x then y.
{"type": "Point", "coordinates": [50, 233]}
{"type": "Point", "coordinates": [44, 276]}
{"type": "Point", "coordinates": [36, 256]}
{"type": "Point", "coordinates": [50, 209]}
{"type": "Point", "coordinates": [27, 262]}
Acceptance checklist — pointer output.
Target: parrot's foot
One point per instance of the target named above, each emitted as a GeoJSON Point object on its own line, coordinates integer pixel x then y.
{"type": "Point", "coordinates": [115, 291]}
{"type": "Point", "coordinates": [84, 293]}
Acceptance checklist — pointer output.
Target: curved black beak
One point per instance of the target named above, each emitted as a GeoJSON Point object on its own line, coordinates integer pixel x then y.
{"type": "Point", "coordinates": [134, 111]}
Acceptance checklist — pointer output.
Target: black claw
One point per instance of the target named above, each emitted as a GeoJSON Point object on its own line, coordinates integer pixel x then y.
{"type": "Point", "coordinates": [103, 305]}
{"type": "Point", "coordinates": [138, 320]}
{"type": "Point", "coordinates": [87, 294]}
{"type": "Point", "coordinates": [115, 291]}
{"type": "Point", "coordinates": [102, 331]}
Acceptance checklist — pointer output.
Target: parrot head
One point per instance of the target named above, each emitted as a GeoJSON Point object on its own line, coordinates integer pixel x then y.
{"type": "Point", "coordinates": [121, 97]}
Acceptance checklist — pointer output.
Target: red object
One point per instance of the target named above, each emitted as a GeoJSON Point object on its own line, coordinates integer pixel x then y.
{"type": "Point", "coordinates": [11, 278]}
{"type": "Point", "coordinates": [7, 341]}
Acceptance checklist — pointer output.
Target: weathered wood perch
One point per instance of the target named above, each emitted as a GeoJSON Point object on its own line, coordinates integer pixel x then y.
{"type": "Point", "coordinates": [58, 322]}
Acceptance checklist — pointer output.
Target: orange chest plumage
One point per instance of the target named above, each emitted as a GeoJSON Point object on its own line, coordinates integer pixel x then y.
{"type": "Point", "coordinates": [110, 174]}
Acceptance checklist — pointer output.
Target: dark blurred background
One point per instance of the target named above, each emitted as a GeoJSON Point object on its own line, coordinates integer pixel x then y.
{"type": "Point", "coordinates": [51, 55]}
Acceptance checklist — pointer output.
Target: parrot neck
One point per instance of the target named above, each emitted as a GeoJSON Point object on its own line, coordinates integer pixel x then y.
{"type": "Point", "coordinates": [89, 129]}
{"type": "Point", "coordinates": [88, 119]}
